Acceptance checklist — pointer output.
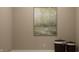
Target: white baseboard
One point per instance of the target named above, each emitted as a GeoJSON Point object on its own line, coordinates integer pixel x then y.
{"type": "Point", "coordinates": [32, 51]}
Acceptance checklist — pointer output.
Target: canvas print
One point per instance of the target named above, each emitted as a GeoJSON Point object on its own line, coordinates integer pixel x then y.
{"type": "Point", "coordinates": [45, 21]}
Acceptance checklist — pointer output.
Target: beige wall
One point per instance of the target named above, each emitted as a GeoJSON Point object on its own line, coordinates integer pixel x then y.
{"type": "Point", "coordinates": [5, 28]}
{"type": "Point", "coordinates": [66, 23]}
{"type": "Point", "coordinates": [23, 29]}
{"type": "Point", "coordinates": [77, 27]}
{"type": "Point", "coordinates": [21, 25]}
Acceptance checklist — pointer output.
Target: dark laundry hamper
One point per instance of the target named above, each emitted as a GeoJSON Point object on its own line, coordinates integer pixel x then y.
{"type": "Point", "coordinates": [71, 47]}
{"type": "Point", "coordinates": [59, 45]}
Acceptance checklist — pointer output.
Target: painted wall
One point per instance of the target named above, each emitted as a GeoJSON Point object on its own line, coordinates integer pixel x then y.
{"type": "Point", "coordinates": [6, 28]}
{"type": "Point", "coordinates": [66, 23]}
{"type": "Point", "coordinates": [77, 27]}
{"type": "Point", "coordinates": [23, 29]}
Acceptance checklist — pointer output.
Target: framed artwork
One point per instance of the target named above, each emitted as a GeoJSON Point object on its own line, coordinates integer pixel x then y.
{"type": "Point", "coordinates": [45, 21]}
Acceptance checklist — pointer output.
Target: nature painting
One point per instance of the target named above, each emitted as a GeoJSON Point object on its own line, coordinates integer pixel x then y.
{"type": "Point", "coordinates": [45, 21]}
